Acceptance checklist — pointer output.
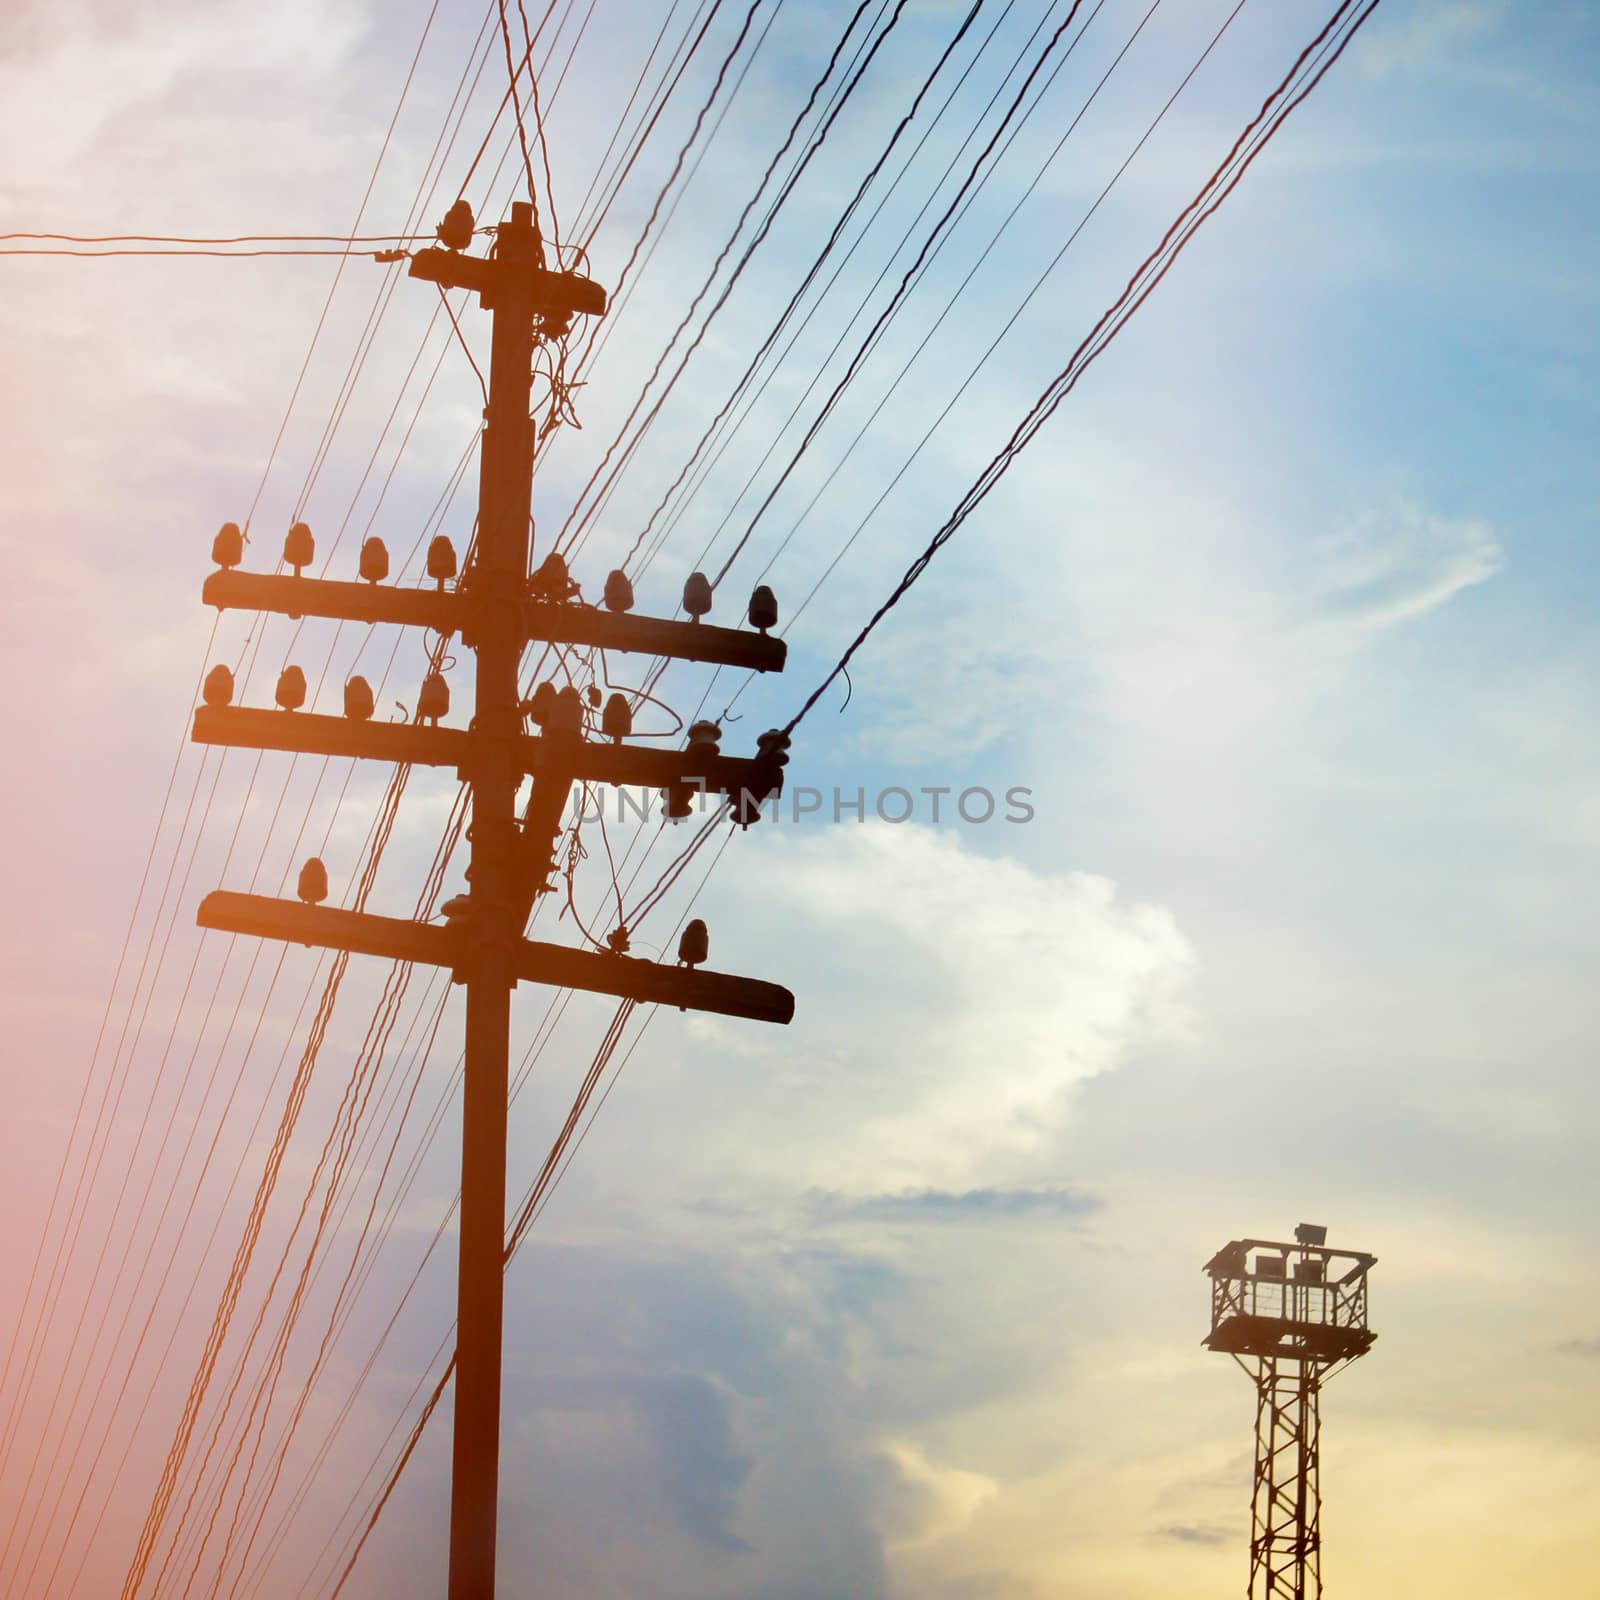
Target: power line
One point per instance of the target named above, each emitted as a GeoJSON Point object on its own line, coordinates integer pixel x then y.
{"type": "Point", "coordinates": [569, 534]}
{"type": "Point", "coordinates": [532, 1208]}
{"type": "Point", "coordinates": [701, 469]}
{"type": "Point", "coordinates": [901, 291]}
{"type": "Point", "coordinates": [217, 255]}
{"type": "Point", "coordinates": [512, 73]}
{"type": "Point", "coordinates": [1204, 205]}
{"type": "Point", "coordinates": [236, 238]}
{"type": "Point", "coordinates": [420, 47]}
{"type": "Point", "coordinates": [798, 295]}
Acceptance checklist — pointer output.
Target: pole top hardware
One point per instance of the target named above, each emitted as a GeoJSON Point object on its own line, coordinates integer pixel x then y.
{"type": "Point", "coordinates": [515, 270]}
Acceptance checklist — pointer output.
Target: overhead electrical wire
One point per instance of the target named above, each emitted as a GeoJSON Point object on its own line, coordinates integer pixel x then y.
{"type": "Point", "coordinates": [901, 291]}
{"type": "Point", "coordinates": [1205, 204]}
{"type": "Point", "coordinates": [516, 107]}
{"type": "Point", "coordinates": [587, 224]}
{"type": "Point", "coordinates": [55, 1275]}
{"type": "Point", "coordinates": [101, 1327]}
{"type": "Point", "coordinates": [158, 1297]}
{"type": "Point", "coordinates": [566, 540]}
{"type": "Point", "coordinates": [620, 298]}
{"type": "Point", "coordinates": [930, 247]}
{"type": "Point", "coordinates": [532, 1208]}
{"type": "Point", "coordinates": [745, 392]}
{"type": "Point", "coordinates": [744, 381]}
{"type": "Point", "coordinates": [557, 1007]}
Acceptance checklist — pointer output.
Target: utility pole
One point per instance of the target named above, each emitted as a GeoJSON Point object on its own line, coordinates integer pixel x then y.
{"type": "Point", "coordinates": [497, 609]}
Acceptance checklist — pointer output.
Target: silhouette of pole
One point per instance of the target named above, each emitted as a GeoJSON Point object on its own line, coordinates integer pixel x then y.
{"type": "Point", "coordinates": [500, 575]}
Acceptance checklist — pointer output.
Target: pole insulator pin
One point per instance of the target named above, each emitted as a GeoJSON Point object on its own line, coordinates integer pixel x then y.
{"type": "Point", "coordinates": [695, 945]}
{"type": "Point", "coordinates": [616, 721]}
{"type": "Point", "coordinates": [374, 560]}
{"type": "Point", "coordinates": [299, 548]}
{"type": "Point", "coordinates": [697, 595]}
{"type": "Point", "coordinates": [441, 560]}
{"type": "Point", "coordinates": [455, 232]}
{"type": "Point", "coordinates": [313, 884]}
{"type": "Point", "coordinates": [358, 700]}
{"type": "Point", "coordinates": [433, 699]}
{"type": "Point", "coordinates": [291, 694]}
{"type": "Point", "coordinates": [551, 580]}
{"type": "Point", "coordinates": [618, 591]}
{"type": "Point", "coordinates": [763, 608]}
{"type": "Point", "coordinates": [218, 690]}
{"type": "Point", "coordinates": [227, 549]}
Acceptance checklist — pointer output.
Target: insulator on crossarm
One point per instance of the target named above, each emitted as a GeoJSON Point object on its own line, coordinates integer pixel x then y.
{"type": "Point", "coordinates": [313, 884]}
{"type": "Point", "coordinates": [374, 560]}
{"type": "Point", "coordinates": [695, 945]}
{"type": "Point", "coordinates": [441, 559]}
{"type": "Point", "coordinates": [773, 746]}
{"type": "Point", "coordinates": [551, 580]}
{"type": "Point", "coordinates": [697, 595]}
{"type": "Point", "coordinates": [455, 232]}
{"type": "Point", "coordinates": [358, 700]}
{"type": "Point", "coordinates": [763, 608]}
{"type": "Point", "coordinates": [568, 713]}
{"type": "Point", "coordinates": [218, 690]}
{"type": "Point", "coordinates": [433, 699]}
{"type": "Point", "coordinates": [299, 548]}
{"type": "Point", "coordinates": [616, 721]}
{"type": "Point", "coordinates": [291, 693]}
{"type": "Point", "coordinates": [679, 800]}
{"type": "Point", "coordinates": [618, 591]}
{"type": "Point", "coordinates": [227, 549]}
{"type": "Point", "coordinates": [541, 705]}
{"type": "Point", "coordinates": [705, 736]}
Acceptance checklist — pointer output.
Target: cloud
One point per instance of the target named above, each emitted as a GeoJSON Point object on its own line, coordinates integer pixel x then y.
{"type": "Point", "coordinates": [1587, 1349]}
{"type": "Point", "coordinates": [703, 1469]}
{"type": "Point", "coordinates": [1430, 37]}
{"type": "Point", "coordinates": [1394, 566]}
{"type": "Point", "coordinates": [967, 996]}
{"type": "Point", "coordinates": [1195, 1533]}
{"type": "Point", "coordinates": [949, 1497]}
{"type": "Point", "coordinates": [934, 1205]}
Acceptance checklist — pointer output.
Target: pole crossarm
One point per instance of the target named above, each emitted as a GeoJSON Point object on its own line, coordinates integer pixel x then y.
{"type": "Point", "coordinates": [561, 966]}
{"type": "Point", "coordinates": [547, 294]}
{"type": "Point", "coordinates": [456, 610]}
{"type": "Point", "coordinates": [617, 765]}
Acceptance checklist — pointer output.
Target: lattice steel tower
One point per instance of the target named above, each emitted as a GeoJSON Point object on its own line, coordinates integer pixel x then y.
{"type": "Point", "coordinates": [1290, 1315]}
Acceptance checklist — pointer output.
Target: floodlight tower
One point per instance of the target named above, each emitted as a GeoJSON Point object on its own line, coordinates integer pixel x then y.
{"type": "Point", "coordinates": [1289, 1314]}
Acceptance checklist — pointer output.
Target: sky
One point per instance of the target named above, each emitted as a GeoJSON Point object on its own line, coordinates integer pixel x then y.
{"type": "Point", "coordinates": [1283, 623]}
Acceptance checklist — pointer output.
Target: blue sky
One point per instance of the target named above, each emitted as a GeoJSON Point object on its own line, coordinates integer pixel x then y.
{"type": "Point", "coordinates": [1284, 621]}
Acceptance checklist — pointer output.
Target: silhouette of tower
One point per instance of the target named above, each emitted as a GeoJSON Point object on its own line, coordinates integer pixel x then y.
{"type": "Point", "coordinates": [1290, 1315]}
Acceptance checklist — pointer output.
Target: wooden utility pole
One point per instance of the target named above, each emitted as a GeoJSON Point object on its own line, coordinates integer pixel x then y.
{"type": "Point", "coordinates": [497, 612]}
